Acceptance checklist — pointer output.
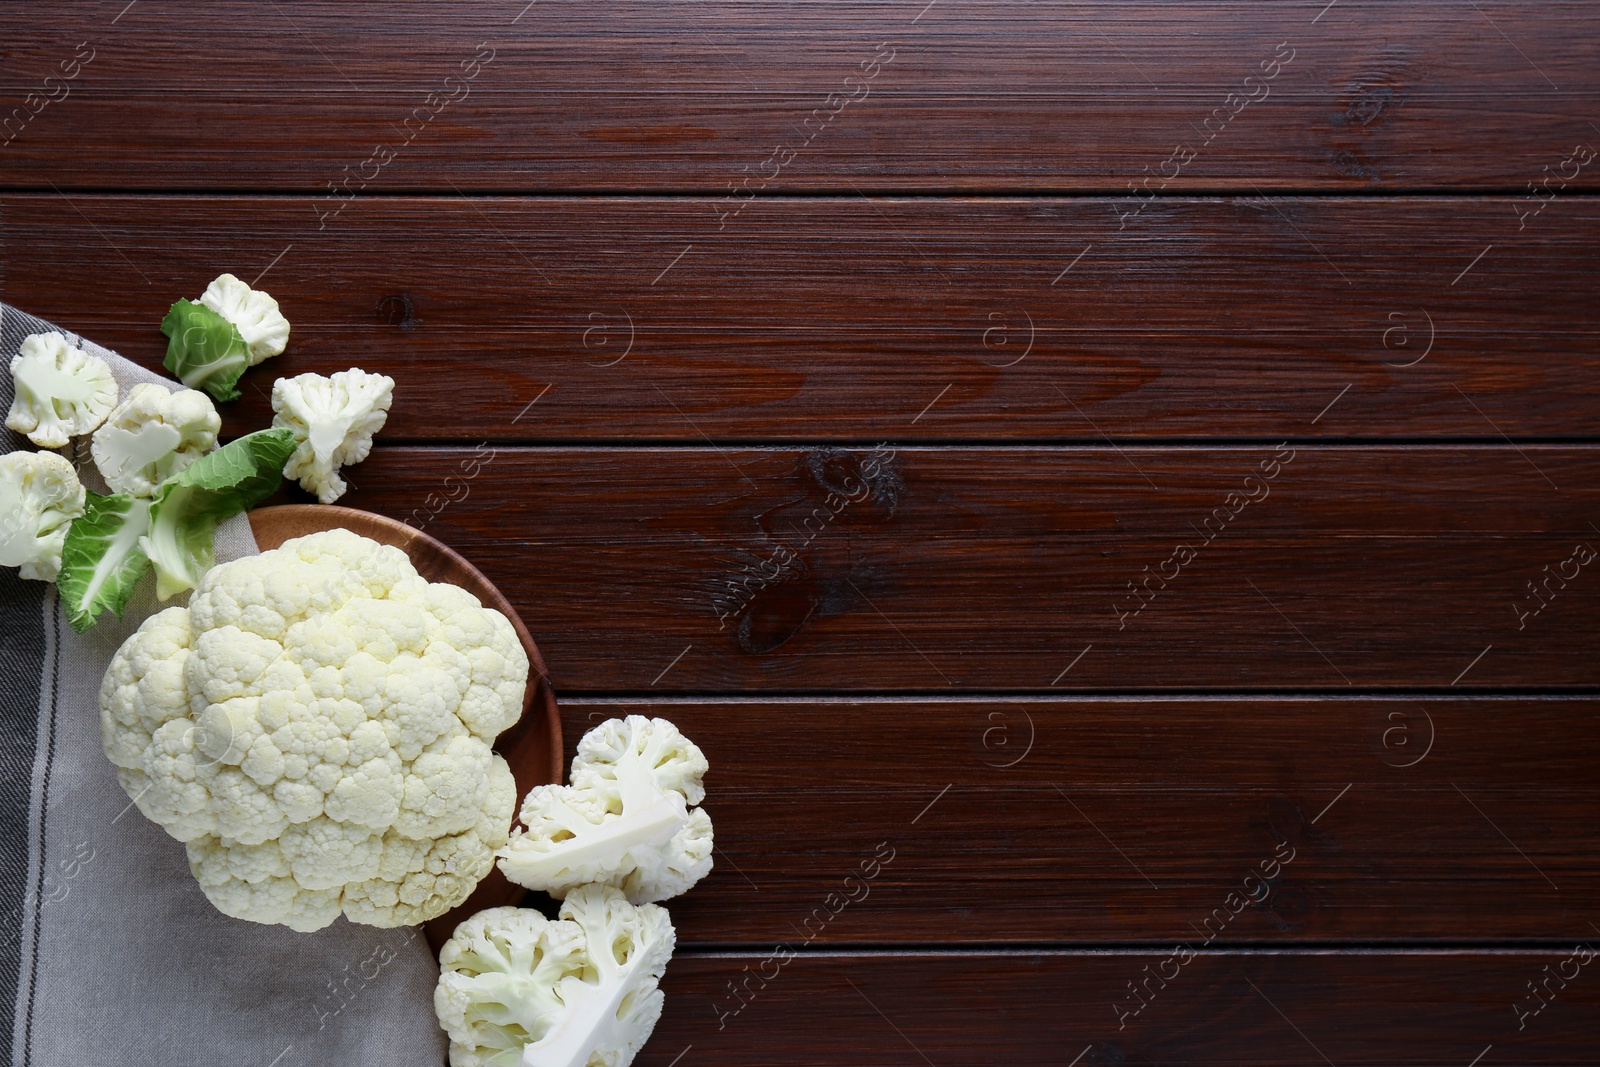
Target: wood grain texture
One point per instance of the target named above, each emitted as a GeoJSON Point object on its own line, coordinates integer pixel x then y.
{"type": "Point", "coordinates": [849, 318]}
{"type": "Point", "coordinates": [1217, 821]}
{"type": "Point", "coordinates": [918, 671]}
{"type": "Point", "coordinates": [975, 96]}
{"type": "Point", "coordinates": [1422, 1009]}
{"type": "Point", "coordinates": [993, 568]}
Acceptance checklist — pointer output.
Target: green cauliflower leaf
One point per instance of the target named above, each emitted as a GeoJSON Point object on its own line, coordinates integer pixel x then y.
{"type": "Point", "coordinates": [103, 557]}
{"type": "Point", "coordinates": [204, 350]}
{"type": "Point", "coordinates": [187, 509]}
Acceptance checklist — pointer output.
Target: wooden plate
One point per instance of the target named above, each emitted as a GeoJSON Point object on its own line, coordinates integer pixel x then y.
{"type": "Point", "coordinates": [532, 747]}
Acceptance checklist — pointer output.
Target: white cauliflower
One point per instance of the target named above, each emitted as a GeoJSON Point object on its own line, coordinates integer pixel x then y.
{"type": "Point", "coordinates": [518, 990]}
{"type": "Point", "coordinates": [252, 312]}
{"type": "Point", "coordinates": [333, 420]}
{"type": "Point", "coordinates": [625, 820]}
{"type": "Point", "coordinates": [61, 390]}
{"type": "Point", "coordinates": [40, 495]}
{"type": "Point", "coordinates": [316, 726]}
{"type": "Point", "coordinates": [152, 436]}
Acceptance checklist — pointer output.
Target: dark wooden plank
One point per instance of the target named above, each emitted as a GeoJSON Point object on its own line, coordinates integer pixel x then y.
{"type": "Point", "coordinates": [1099, 96]}
{"type": "Point", "coordinates": [1082, 820]}
{"type": "Point", "coordinates": [866, 320]}
{"type": "Point", "coordinates": [1230, 1009]}
{"type": "Point", "coordinates": [994, 568]}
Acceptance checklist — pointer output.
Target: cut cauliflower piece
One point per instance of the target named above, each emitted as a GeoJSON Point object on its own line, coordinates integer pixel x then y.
{"type": "Point", "coordinates": [497, 983]}
{"type": "Point", "coordinates": [333, 420]}
{"type": "Point", "coordinates": [253, 313]}
{"type": "Point", "coordinates": [40, 495]}
{"type": "Point", "coordinates": [152, 436]}
{"type": "Point", "coordinates": [259, 726]}
{"type": "Point", "coordinates": [61, 390]}
{"type": "Point", "coordinates": [518, 990]}
{"type": "Point", "coordinates": [625, 820]}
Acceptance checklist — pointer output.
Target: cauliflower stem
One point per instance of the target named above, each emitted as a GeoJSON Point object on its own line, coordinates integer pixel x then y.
{"type": "Point", "coordinates": [615, 998]}
{"type": "Point", "coordinates": [333, 419]}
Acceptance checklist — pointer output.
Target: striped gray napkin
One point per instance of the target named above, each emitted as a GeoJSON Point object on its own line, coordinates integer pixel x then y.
{"type": "Point", "coordinates": [107, 946]}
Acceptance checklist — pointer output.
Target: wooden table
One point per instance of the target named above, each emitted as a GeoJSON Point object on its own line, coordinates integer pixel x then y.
{"type": "Point", "coordinates": [1112, 487]}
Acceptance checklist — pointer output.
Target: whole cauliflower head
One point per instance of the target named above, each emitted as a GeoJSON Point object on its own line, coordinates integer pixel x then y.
{"type": "Point", "coordinates": [625, 820]}
{"type": "Point", "coordinates": [252, 312]}
{"type": "Point", "coordinates": [40, 495]}
{"type": "Point", "coordinates": [333, 420]}
{"type": "Point", "coordinates": [316, 725]}
{"type": "Point", "coordinates": [518, 990]}
{"type": "Point", "coordinates": [152, 436]}
{"type": "Point", "coordinates": [61, 390]}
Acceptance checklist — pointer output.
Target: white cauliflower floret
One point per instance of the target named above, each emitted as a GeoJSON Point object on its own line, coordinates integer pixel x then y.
{"type": "Point", "coordinates": [252, 312]}
{"type": "Point", "coordinates": [40, 495]}
{"type": "Point", "coordinates": [413, 873]}
{"type": "Point", "coordinates": [61, 390]}
{"type": "Point", "coordinates": [518, 989]}
{"type": "Point", "coordinates": [333, 420]}
{"type": "Point", "coordinates": [294, 727]}
{"type": "Point", "coordinates": [624, 821]}
{"type": "Point", "coordinates": [144, 687]}
{"type": "Point", "coordinates": [152, 436]}
{"type": "Point", "coordinates": [243, 882]}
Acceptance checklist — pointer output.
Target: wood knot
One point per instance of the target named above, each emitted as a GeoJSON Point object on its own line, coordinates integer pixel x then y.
{"type": "Point", "coordinates": [1288, 907]}
{"type": "Point", "coordinates": [397, 310]}
{"type": "Point", "coordinates": [867, 484]}
{"type": "Point", "coordinates": [1351, 165]}
{"type": "Point", "coordinates": [776, 612]}
{"type": "Point", "coordinates": [1366, 103]}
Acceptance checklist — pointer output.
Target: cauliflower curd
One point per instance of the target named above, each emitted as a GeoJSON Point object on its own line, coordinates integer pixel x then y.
{"type": "Point", "coordinates": [316, 725]}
